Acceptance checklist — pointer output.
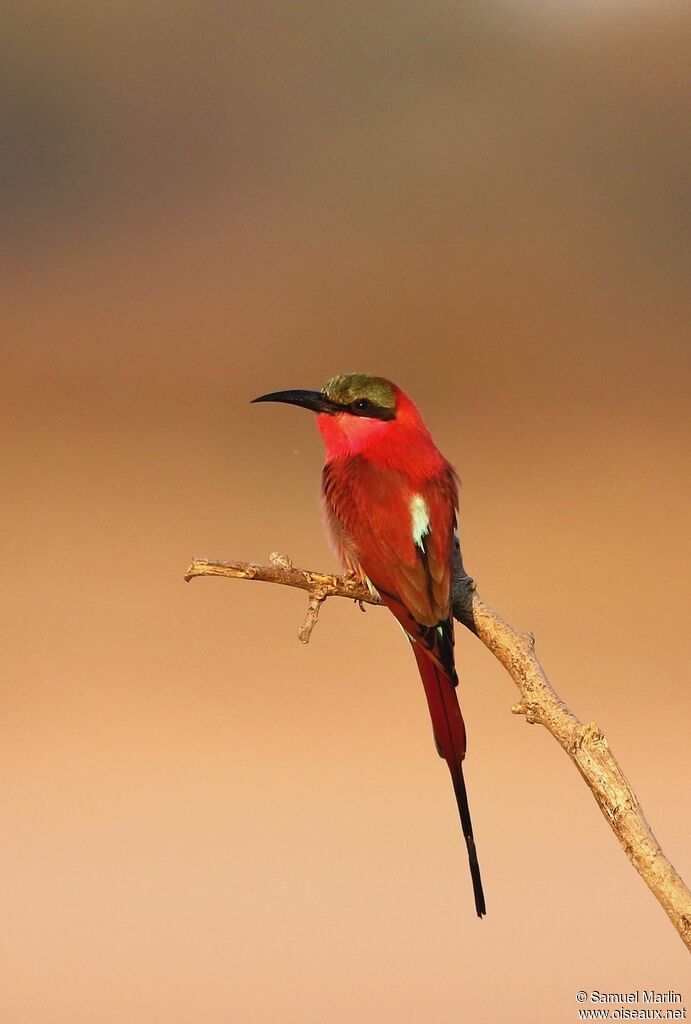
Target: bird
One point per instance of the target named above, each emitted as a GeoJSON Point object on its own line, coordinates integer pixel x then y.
{"type": "Point", "coordinates": [391, 501]}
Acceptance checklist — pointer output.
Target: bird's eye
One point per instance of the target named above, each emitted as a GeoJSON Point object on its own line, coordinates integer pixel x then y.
{"type": "Point", "coordinates": [362, 404]}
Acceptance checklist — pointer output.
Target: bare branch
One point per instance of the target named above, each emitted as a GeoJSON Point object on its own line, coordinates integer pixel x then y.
{"type": "Point", "coordinates": [319, 585]}
{"type": "Point", "coordinates": [539, 703]}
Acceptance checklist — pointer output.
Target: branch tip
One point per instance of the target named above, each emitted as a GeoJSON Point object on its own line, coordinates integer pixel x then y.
{"type": "Point", "coordinates": [317, 598]}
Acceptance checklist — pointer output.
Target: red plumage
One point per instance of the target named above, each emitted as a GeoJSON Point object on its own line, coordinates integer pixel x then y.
{"type": "Point", "coordinates": [374, 472]}
{"type": "Point", "coordinates": [390, 499]}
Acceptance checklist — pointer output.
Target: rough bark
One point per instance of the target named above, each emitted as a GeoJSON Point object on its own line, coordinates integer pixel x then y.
{"type": "Point", "coordinates": [585, 744]}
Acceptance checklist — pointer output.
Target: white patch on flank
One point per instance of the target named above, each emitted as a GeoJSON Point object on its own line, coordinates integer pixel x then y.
{"type": "Point", "coordinates": [370, 586]}
{"type": "Point", "coordinates": [419, 516]}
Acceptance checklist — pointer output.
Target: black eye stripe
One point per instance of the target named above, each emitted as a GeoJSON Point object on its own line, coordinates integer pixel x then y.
{"type": "Point", "coordinates": [365, 407]}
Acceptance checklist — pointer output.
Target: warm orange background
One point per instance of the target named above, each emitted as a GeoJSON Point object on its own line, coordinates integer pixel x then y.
{"type": "Point", "coordinates": [202, 820]}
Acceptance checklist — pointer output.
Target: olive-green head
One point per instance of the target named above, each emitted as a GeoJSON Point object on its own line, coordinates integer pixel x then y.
{"type": "Point", "coordinates": [356, 393]}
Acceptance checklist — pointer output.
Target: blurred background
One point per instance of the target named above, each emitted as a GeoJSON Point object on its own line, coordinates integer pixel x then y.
{"type": "Point", "coordinates": [201, 819]}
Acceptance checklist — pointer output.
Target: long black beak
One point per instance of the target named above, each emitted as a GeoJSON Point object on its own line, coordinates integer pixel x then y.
{"type": "Point", "coordinates": [314, 400]}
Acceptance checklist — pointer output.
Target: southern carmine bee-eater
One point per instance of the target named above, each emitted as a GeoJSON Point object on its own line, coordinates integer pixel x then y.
{"type": "Point", "coordinates": [390, 499]}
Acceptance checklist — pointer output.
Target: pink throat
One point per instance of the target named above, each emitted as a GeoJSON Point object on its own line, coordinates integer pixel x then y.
{"type": "Point", "coordinates": [403, 443]}
{"type": "Point", "coordinates": [349, 435]}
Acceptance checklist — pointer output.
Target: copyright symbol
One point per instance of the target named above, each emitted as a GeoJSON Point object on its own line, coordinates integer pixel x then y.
{"type": "Point", "coordinates": [581, 996]}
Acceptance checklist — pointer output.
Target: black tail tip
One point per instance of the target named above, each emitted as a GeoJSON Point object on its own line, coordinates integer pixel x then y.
{"type": "Point", "coordinates": [480, 907]}
{"type": "Point", "coordinates": [466, 825]}
{"type": "Point", "coordinates": [478, 892]}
